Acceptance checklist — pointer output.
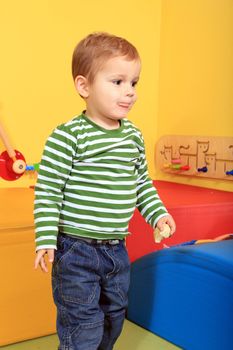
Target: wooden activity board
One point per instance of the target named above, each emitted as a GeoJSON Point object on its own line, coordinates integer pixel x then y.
{"type": "Point", "coordinates": [202, 156]}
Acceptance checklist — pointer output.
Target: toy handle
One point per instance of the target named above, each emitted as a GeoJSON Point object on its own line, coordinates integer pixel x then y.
{"type": "Point", "coordinates": [7, 144]}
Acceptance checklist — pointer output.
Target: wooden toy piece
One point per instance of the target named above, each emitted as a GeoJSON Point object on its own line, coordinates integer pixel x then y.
{"type": "Point", "coordinates": [33, 167]}
{"type": "Point", "coordinates": [19, 166]}
{"type": "Point", "coordinates": [166, 165]}
{"type": "Point", "coordinates": [176, 166]}
{"type": "Point", "coordinates": [159, 235]}
{"type": "Point", "coordinates": [176, 161]}
{"type": "Point", "coordinates": [185, 168]}
{"type": "Point", "coordinates": [36, 166]}
{"type": "Point", "coordinates": [204, 169]}
{"type": "Point", "coordinates": [7, 144]}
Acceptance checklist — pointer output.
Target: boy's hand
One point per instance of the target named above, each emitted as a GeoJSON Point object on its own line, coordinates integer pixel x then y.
{"type": "Point", "coordinates": [169, 221]}
{"type": "Point", "coordinates": [40, 258]}
{"type": "Point", "coordinates": [166, 220]}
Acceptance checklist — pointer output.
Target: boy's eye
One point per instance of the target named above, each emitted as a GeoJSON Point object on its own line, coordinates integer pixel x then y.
{"type": "Point", "coordinates": [117, 81]}
{"type": "Point", "coordinates": [134, 83]}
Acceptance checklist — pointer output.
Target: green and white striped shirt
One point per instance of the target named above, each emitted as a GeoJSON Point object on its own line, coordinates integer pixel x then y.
{"type": "Point", "coordinates": [90, 181]}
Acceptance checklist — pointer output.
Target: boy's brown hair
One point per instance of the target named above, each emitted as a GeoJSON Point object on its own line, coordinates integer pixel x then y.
{"type": "Point", "coordinates": [93, 50]}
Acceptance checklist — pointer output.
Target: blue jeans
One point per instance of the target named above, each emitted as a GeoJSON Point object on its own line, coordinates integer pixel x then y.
{"type": "Point", "coordinates": [90, 286]}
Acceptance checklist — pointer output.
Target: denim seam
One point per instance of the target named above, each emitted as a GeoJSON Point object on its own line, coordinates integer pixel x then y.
{"type": "Point", "coordinates": [118, 315]}
{"type": "Point", "coordinates": [118, 289]}
{"type": "Point", "coordinates": [66, 339]}
{"type": "Point", "coordinates": [79, 300]}
{"type": "Point", "coordinates": [114, 265]}
{"type": "Point", "coordinates": [97, 257]}
{"type": "Point", "coordinates": [66, 253]}
{"type": "Point", "coordinates": [89, 325]}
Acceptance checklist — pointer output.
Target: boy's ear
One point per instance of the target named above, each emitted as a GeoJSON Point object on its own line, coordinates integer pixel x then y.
{"type": "Point", "coordinates": [81, 85]}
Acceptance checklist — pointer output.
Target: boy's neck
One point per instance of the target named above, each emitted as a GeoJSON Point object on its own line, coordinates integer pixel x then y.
{"type": "Point", "coordinates": [107, 123]}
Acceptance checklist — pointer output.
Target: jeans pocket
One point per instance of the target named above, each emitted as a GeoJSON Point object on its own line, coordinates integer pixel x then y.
{"type": "Point", "coordinates": [77, 278]}
{"type": "Point", "coordinates": [64, 244]}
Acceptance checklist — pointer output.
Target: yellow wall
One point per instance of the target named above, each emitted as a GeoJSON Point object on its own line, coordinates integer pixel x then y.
{"type": "Point", "coordinates": [37, 41]}
{"type": "Point", "coordinates": [196, 73]}
{"type": "Point", "coordinates": [186, 82]}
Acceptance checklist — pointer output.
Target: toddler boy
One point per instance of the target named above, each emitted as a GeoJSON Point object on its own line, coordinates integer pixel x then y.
{"type": "Point", "coordinates": [93, 174]}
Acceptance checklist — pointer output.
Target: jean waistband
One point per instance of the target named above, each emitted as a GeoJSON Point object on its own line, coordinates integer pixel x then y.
{"type": "Point", "coordinates": [95, 241]}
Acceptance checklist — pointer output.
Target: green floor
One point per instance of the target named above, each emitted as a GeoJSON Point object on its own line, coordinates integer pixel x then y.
{"type": "Point", "coordinates": [132, 338]}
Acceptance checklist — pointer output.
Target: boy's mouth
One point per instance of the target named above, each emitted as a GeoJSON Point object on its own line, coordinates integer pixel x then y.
{"type": "Point", "coordinates": [124, 105]}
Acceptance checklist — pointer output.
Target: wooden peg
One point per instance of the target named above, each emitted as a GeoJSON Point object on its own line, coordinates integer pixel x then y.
{"type": "Point", "coordinates": [7, 144]}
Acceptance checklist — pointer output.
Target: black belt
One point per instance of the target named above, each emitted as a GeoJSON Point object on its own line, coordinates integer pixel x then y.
{"type": "Point", "coordinates": [96, 241]}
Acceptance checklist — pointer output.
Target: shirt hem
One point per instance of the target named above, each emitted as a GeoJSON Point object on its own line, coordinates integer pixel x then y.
{"type": "Point", "coordinates": [77, 232]}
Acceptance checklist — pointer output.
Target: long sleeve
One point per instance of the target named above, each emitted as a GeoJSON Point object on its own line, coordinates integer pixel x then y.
{"type": "Point", "coordinates": [148, 201]}
{"type": "Point", "coordinates": [54, 170]}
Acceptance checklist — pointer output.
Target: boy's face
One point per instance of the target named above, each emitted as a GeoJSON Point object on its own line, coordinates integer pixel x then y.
{"type": "Point", "coordinates": [113, 92]}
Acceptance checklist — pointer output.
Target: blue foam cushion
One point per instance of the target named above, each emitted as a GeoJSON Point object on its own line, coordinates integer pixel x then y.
{"type": "Point", "coordinates": [185, 295]}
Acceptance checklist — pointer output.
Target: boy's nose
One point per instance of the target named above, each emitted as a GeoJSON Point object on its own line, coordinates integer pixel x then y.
{"type": "Point", "coordinates": [130, 91]}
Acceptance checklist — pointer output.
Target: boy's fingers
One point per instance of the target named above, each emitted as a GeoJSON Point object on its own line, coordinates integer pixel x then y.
{"type": "Point", "coordinates": [51, 255]}
{"type": "Point", "coordinates": [39, 255]}
{"type": "Point", "coordinates": [173, 229]}
{"type": "Point", "coordinates": [172, 225]}
{"type": "Point", "coordinates": [40, 260]}
{"type": "Point", "coordinates": [160, 225]}
{"type": "Point", "coordinates": [43, 265]}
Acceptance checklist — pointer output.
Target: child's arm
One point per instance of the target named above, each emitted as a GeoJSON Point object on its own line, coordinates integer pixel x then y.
{"type": "Point", "coordinates": [54, 171]}
{"type": "Point", "coordinates": [148, 201]}
{"type": "Point", "coordinates": [40, 258]}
